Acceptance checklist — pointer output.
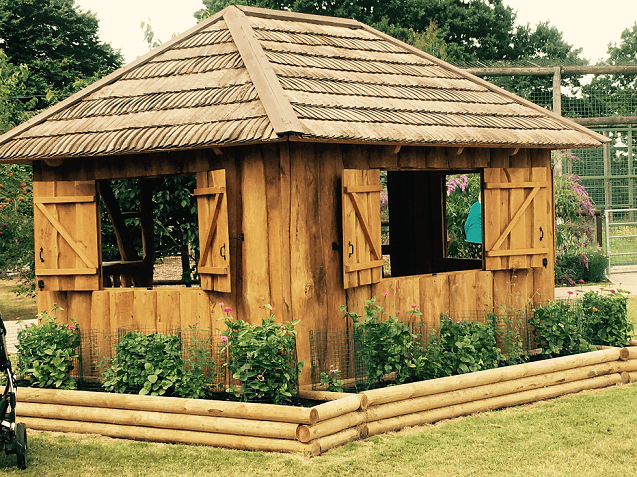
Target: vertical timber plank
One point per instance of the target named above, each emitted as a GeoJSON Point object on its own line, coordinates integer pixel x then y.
{"type": "Point", "coordinates": [145, 310]}
{"type": "Point", "coordinates": [307, 262]}
{"type": "Point", "coordinates": [256, 266]}
{"type": "Point", "coordinates": [330, 164]}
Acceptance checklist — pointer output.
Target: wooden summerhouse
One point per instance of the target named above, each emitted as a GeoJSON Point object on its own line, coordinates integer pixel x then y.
{"type": "Point", "coordinates": [287, 120]}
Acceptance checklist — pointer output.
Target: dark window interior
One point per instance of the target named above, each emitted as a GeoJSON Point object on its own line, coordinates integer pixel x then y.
{"type": "Point", "coordinates": [415, 239]}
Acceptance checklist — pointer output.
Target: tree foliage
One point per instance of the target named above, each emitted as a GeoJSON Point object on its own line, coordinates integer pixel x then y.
{"type": "Point", "coordinates": [460, 31]}
{"type": "Point", "coordinates": [49, 49]}
{"type": "Point", "coordinates": [57, 42]}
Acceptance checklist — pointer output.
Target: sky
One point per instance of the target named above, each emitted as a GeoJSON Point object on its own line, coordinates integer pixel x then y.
{"type": "Point", "coordinates": [586, 24]}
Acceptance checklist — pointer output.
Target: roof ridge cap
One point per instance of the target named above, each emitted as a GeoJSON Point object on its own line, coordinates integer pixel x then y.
{"type": "Point", "coordinates": [299, 17]}
{"type": "Point", "coordinates": [108, 79]}
{"type": "Point", "coordinates": [277, 106]}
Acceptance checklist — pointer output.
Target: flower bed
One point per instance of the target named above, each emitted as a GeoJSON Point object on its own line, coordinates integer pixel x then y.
{"type": "Point", "coordinates": [316, 429]}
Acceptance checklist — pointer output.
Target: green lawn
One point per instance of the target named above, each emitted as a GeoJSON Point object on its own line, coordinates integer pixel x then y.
{"type": "Point", "coordinates": [15, 307]}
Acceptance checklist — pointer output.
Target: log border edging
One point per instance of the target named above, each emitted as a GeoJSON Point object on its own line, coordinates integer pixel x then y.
{"type": "Point", "coordinates": [347, 417]}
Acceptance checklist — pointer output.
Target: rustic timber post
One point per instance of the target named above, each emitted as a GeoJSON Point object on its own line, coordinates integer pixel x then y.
{"type": "Point", "coordinates": [607, 189]}
{"type": "Point", "coordinates": [557, 109]}
{"type": "Point", "coordinates": [148, 239]}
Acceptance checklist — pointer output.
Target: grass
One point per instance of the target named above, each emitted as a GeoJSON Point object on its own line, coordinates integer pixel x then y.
{"type": "Point", "coordinates": [590, 433]}
{"type": "Point", "coordinates": [15, 307]}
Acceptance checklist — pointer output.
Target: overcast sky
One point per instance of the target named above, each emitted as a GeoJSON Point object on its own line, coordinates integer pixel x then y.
{"type": "Point", "coordinates": [586, 24]}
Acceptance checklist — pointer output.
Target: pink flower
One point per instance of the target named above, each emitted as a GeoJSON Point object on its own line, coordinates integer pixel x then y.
{"type": "Point", "coordinates": [612, 291]}
{"type": "Point", "coordinates": [220, 303]}
{"type": "Point", "coordinates": [413, 307]}
{"type": "Point", "coordinates": [570, 292]}
{"type": "Point", "coordinates": [398, 312]}
{"type": "Point", "coordinates": [224, 338]}
{"type": "Point", "coordinates": [227, 310]}
{"type": "Point", "coordinates": [581, 281]}
{"type": "Point", "coordinates": [385, 294]}
{"type": "Point", "coordinates": [71, 327]}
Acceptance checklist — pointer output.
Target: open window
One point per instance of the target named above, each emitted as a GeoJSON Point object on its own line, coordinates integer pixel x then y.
{"type": "Point", "coordinates": [167, 231]}
{"type": "Point", "coordinates": [420, 217]}
{"type": "Point", "coordinates": [424, 234]}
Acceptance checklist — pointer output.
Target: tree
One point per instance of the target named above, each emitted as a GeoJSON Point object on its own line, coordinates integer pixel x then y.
{"type": "Point", "coordinates": [48, 50]}
{"type": "Point", "coordinates": [57, 42]}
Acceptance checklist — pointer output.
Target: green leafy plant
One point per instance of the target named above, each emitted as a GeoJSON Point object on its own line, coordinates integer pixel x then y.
{"type": "Point", "coordinates": [152, 363]}
{"type": "Point", "coordinates": [508, 336]}
{"type": "Point", "coordinates": [557, 329]}
{"type": "Point", "coordinates": [332, 381]}
{"type": "Point", "coordinates": [466, 346]}
{"type": "Point", "coordinates": [385, 344]}
{"type": "Point", "coordinates": [606, 318]}
{"type": "Point", "coordinates": [577, 255]}
{"type": "Point", "coordinates": [46, 352]}
{"type": "Point", "coordinates": [263, 358]}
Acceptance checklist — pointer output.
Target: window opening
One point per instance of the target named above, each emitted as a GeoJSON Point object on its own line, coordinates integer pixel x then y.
{"type": "Point", "coordinates": [423, 214]}
{"type": "Point", "coordinates": [149, 232]}
{"type": "Point", "coordinates": [463, 215]}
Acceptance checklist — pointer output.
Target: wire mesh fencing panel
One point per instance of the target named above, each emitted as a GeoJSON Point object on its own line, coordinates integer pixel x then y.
{"type": "Point", "coordinates": [99, 350]}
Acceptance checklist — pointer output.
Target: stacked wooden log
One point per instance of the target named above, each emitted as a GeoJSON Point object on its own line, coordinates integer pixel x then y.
{"type": "Point", "coordinates": [313, 430]}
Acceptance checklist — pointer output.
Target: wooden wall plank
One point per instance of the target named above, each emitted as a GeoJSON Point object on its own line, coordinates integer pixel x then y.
{"type": "Point", "coordinates": [121, 307]}
{"type": "Point", "coordinates": [308, 285]}
{"type": "Point", "coordinates": [79, 308]}
{"type": "Point", "coordinates": [145, 310]}
{"type": "Point", "coordinates": [519, 238]}
{"type": "Point", "coordinates": [521, 288]}
{"type": "Point", "coordinates": [544, 276]}
{"type": "Point", "coordinates": [484, 291]}
{"type": "Point", "coordinates": [407, 295]}
{"type": "Point", "coordinates": [462, 295]}
{"type": "Point", "coordinates": [235, 228]}
{"type": "Point", "coordinates": [435, 296]}
{"type": "Point", "coordinates": [255, 267]}
{"type": "Point", "coordinates": [330, 173]}
{"type": "Point", "coordinates": [502, 290]}
{"type": "Point", "coordinates": [437, 158]}
{"type": "Point", "coordinates": [100, 313]}
{"type": "Point", "coordinates": [168, 308]}
{"type": "Point", "coordinates": [278, 232]}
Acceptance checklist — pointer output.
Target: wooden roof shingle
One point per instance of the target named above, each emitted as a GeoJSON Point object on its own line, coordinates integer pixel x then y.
{"type": "Point", "coordinates": [249, 75]}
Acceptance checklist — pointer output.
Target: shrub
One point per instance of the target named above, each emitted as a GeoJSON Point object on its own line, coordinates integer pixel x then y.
{"type": "Point", "coordinates": [152, 363]}
{"type": "Point", "coordinates": [462, 191]}
{"type": "Point", "coordinates": [557, 329]}
{"type": "Point", "coordinates": [263, 358]}
{"type": "Point", "coordinates": [577, 255]}
{"type": "Point", "coordinates": [606, 318]}
{"type": "Point", "coordinates": [386, 345]}
{"type": "Point", "coordinates": [46, 352]}
{"type": "Point", "coordinates": [466, 346]}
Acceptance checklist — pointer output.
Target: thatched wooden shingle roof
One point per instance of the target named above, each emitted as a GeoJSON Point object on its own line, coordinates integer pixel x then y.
{"type": "Point", "coordinates": [250, 75]}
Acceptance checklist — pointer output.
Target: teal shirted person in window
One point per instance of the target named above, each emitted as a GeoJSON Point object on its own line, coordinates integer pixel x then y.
{"type": "Point", "coordinates": [473, 229]}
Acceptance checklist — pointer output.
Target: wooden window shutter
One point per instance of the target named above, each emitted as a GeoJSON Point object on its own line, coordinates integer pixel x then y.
{"type": "Point", "coordinates": [362, 256]}
{"type": "Point", "coordinates": [518, 233]}
{"type": "Point", "coordinates": [214, 246]}
{"type": "Point", "coordinates": [66, 225]}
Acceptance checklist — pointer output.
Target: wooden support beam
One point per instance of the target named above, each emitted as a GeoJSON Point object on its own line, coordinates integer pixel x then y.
{"type": "Point", "coordinates": [148, 235]}
{"type": "Point", "coordinates": [122, 235]}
